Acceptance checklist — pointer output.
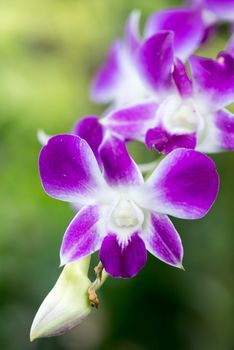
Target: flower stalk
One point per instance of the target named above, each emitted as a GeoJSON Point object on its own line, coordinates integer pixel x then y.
{"type": "Point", "coordinates": [101, 276]}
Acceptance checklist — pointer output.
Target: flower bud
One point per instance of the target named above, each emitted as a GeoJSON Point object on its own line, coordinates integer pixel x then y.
{"type": "Point", "coordinates": [67, 303]}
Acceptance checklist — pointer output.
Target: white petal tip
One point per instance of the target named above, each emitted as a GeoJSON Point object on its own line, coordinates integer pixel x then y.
{"type": "Point", "coordinates": [181, 267]}
{"type": "Point", "coordinates": [42, 137]}
{"type": "Point", "coordinates": [33, 336]}
{"type": "Point", "coordinates": [136, 13]}
{"type": "Point", "coordinates": [35, 332]}
{"type": "Point", "coordinates": [63, 260]}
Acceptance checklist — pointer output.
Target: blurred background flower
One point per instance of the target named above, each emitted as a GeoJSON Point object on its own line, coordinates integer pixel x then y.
{"type": "Point", "coordinates": [49, 51]}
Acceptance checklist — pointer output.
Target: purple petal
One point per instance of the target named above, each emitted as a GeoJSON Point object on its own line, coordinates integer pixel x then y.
{"type": "Point", "coordinates": [186, 24]}
{"type": "Point", "coordinates": [132, 36]}
{"type": "Point", "coordinates": [219, 133]}
{"type": "Point", "coordinates": [230, 46]}
{"type": "Point", "coordinates": [69, 170]}
{"type": "Point", "coordinates": [133, 122]}
{"type": "Point", "coordinates": [119, 80]}
{"type": "Point", "coordinates": [213, 81]}
{"type": "Point", "coordinates": [119, 167]}
{"type": "Point", "coordinates": [107, 78]}
{"type": "Point", "coordinates": [164, 142]}
{"type": "Point", "coordinates": [91, 131]}
{"type": "Point", "coordinates": [224, 9]}
{"type": "Point", "coordinates": [181, 78]}
{"type": "Point", "coordinates": [224, 121]}
{"type": "Point", "coordinates": [210, 32]}
{"type": "Point", "coordinates": [123, 261]}
{"type": "Point", "coordinates": [82, 236]}
{"type": "Point", "coordinates": [196, 3]}
{"type": "Point", "coordinates": [163, 240]}
{"type": "Point", "coordinates": [185, 185]}
{"type": "Point", "coordinates": [156, 60]}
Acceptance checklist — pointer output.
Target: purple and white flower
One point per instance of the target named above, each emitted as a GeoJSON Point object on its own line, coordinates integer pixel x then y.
{"type": "Point", "coordinates": [120, 80]}
{"type": "Point", "coordinates": [190, 112]}
{"type": "Point", "coordinates": [121, 215]}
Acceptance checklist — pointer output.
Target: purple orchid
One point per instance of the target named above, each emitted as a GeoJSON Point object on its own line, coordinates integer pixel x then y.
{"type": "Point", "coordinates": [120, 214]}
{"type": "Point", "coordinates": [190, 113]}
{"type": "Point", "coordinates": [120, 80]}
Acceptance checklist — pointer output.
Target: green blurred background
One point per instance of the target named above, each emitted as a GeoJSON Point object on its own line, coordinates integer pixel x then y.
{"type": "Point", "coordinates": [49, 50]}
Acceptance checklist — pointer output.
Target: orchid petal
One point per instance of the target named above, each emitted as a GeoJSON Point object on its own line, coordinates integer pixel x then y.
{"type": "Point", "coordinates": [164, 142]}
{"type": "Point", "coordinates": [225, 121]}
{"type": "Point", "coordinates": [156, 60]}
{"type": "Point", "coordinates": [119, 168]}
{"type": "Point", "coordinates": [225, 125]}
{"type": "Point", "coordinates": [123, 261]}
{"type": "Point", "coordinates": [186, 24]}
{"type": "Point", "coordinates": [132, 36]}
{"type": "Point", "coordinates": [219, 133]}
{"type": "Point", "coordinates": [230, 46]}
{"type": "Point", "coordinates": [163, 241]}
{"type": "Point", "coordinates": [43, 137]}
{"type": "Point", "coordinates": [132, 123]}
{"type": "Point", "coordinates": [107, 78]}
{"type": "Point", "coordinates": [213, 81]}
{"type": "Point", "coordinates": [185, 184]}
{"type": "Point", "coordinates": [69, 170]}
{"type": "Point", "coordinates": [91, 130]}
{"type": "Point", "coordinates": [181, 78]}
{"type": "Point", "coordinates": [223, 9]}
{"type": "Point", "coordinates": [82, 236]}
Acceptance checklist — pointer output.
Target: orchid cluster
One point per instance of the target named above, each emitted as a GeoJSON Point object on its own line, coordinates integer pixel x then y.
{"type": "Point", "coordinates": [176, 103]}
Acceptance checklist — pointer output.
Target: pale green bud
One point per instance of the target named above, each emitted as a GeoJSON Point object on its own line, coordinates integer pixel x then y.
{"type": "Point", "coordinates": [67, 303]}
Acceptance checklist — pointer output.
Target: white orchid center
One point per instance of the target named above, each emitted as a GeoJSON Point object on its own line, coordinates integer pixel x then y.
{"type": "Point", "coordinates": [184, 119]}
{"type": "Point", "coordinates": [179, 116]}
{"type": "Point", "coordinates": [127, 215]}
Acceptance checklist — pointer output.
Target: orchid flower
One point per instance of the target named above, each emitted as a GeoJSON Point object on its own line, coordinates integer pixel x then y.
{"type": "Point", "coordinates": [121, 215]}
{"type": "Point", "coordinates": [120, 80]}
{"type": "Point", "coordinates": [191, 113]}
